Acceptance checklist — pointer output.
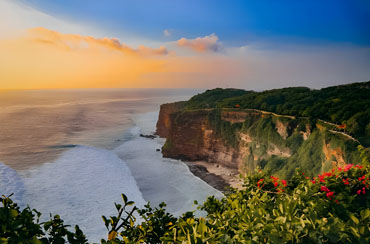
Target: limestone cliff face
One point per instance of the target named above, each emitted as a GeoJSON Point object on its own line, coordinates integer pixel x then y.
{"type": "Point", "coordinates": [245, 139]}
{"type": "Point", "coordinates": [164, 121]}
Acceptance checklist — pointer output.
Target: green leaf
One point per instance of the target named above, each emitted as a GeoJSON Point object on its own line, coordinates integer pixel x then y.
{"type": "Point", "coordinates": [354, 219]}
{"type": "Point", "coordinates": [118, 206]}
{"type": "Point", "coordinates": [36, 241]}
{"type": "Point", "coordinates": [13, 213]}
{"type": "Point", "coordinates": [124, 198]}
{"type": "Point", "coordinates": [281, 207]}
{"type": "Point", "coordinates": [365, 214]}
{"type": "Point", "coordinates": [129, 203]}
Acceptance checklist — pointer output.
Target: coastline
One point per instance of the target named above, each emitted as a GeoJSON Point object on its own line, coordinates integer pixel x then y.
{"type": "Point", "coordinates": [219, 177]}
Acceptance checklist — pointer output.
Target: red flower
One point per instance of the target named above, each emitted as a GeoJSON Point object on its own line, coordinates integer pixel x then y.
{"type": "Point", "coordinates": [329, 194]}
{"type": "Point", "coordinates": [313, 182]}
{"type": "Point", "coordinates": [324, 188]}
{"type": "Point", "coordinates": [359, 192]}
{"type": "Point", "coordinates": [347, 167]}
{"type": "Point", "coordinates": [284, 182]}
{"type": "Point", "coordinates": [259, 182]}
{"type": "Point", "coordinates": [359, 166]}
{"type": "Point", "coordinates": [274, 178]}
{"type": "Point", "coordinates": [345, 181]}
{"type": "Point", "coordinates": [276, 184]}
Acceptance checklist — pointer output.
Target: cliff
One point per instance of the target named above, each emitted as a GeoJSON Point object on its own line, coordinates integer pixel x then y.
{"type": "Point", "coordinates": [245, 139]}
{"type": "Point", "coordinates": [164, 120]}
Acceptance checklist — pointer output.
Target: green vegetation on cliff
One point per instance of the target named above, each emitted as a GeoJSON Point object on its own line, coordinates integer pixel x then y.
{"type": "Point", "coordinates": [276, 130]}
{"type": "Point", "coordinates": [211, 98]}
{"type": "Point", "coordinates": [345, 104]}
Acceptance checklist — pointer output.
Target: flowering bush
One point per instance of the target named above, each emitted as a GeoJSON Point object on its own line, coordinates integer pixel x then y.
{"type": "Point", "coordinates": [333, 207]}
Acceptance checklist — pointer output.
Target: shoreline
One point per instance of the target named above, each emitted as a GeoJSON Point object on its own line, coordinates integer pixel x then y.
{"type": "Point", "coordinates": [215, 175]}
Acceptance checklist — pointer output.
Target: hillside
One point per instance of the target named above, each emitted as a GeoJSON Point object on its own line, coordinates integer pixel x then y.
{"type": "Point", "coordinates": [276, 130]}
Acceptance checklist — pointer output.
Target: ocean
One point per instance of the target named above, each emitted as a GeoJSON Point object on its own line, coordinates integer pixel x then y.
{"type": "Point", "coordinates": [73, 152]}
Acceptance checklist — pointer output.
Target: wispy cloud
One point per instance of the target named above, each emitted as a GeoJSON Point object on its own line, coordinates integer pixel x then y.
{"type": "Point", "coordinates": [167, 33]}
{"type": "Point", "coordinates": [202, 44]}
{"type": "Point", "coordinates": [75, 41]}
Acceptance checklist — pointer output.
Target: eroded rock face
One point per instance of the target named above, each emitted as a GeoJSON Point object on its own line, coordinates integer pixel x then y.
{"type": "Point", "coordinates": [282, 129]}
{"type": "Point", "coordinates": [164, 121]}
{"type": "Point", "coordinates": [333, 155]}
{"type": "Point", "coordinates": [258, 137]}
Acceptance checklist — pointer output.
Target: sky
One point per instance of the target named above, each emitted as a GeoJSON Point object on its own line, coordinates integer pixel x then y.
{"type": "Point", "coordinates": [183, 43]}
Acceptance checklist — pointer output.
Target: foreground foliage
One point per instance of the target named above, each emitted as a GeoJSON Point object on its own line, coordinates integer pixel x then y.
{"type": "Point", "coordinates": [23, 226]}
{"type": "Point", "coordinates": [333, 207]}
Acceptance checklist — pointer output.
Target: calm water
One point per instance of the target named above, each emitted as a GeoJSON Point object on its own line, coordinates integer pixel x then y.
{"type": "Point", "coordinates": [36, 126]}
{"type": "Point", "coordinates": [73, 152]}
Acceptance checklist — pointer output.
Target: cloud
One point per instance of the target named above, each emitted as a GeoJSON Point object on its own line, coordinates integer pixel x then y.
{"type": "Point", "coordinates": [75, 41]}
{"type": "Point", "coordinates": [167, 33]}
{"type": "Point", "coordinates": [202, 44]}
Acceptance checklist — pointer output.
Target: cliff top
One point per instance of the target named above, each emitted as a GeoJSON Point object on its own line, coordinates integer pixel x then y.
{"type": "Point", "coordinates": [347, 106]}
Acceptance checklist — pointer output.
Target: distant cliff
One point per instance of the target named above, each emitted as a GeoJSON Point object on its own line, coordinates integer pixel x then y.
{"type": "Point", "coordinates": [245, 138]}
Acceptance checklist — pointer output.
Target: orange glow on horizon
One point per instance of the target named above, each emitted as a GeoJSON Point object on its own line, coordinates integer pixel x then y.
{"type": "Point", "coordinates": [46, 59]}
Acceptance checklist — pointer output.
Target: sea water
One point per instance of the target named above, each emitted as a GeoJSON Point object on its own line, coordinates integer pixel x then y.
{"type": "Point", "coordinates": [73, 152]}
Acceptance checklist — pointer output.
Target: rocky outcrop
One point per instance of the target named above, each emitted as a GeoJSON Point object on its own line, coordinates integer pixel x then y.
{"type": "Point", "coordinates": [164, 121]}
{"type": "Point", "coordinates": [246, 139]}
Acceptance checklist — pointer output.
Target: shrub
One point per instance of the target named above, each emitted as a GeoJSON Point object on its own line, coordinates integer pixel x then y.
{"type": "Point", "coordinates": [333, 207]}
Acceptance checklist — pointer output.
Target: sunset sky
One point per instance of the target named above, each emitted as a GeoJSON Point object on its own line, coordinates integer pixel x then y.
{"type": "Point", "coordinates": [183, 43]}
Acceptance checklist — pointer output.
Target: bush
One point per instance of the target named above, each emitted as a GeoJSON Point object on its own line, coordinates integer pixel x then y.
{"type": "Point", "coordinates": [22, 226]}
{"type": "Point", "coordinates": [333, 207]}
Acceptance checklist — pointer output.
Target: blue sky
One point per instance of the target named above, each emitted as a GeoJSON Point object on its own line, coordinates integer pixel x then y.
{"type": "Point", "coordinates": [236, 22]}
{"type": "Point", "coordinates": [194, 43]}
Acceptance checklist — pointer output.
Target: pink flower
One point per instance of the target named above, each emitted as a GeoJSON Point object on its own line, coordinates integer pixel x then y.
{"type": "Point", "coordinates": [359, 192]}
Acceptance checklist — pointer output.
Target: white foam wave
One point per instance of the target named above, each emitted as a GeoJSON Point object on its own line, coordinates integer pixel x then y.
{"type": "Point", "coordinates": [11, 183]}
{"type": "Point", "coordinates": [161, 179]}
{"type": "Point", "coordinates": [80, 186]}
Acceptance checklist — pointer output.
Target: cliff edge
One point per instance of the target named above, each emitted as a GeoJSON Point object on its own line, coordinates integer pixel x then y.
{"type": "Point", "coordinates": [246, 139]}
